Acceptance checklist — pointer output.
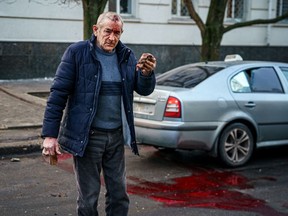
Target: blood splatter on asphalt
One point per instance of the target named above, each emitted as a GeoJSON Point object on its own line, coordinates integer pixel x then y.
{"type": "Point", "coordinates": [203, 189]}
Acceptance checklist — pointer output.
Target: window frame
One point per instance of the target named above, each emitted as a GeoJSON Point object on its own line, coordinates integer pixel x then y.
{"type": "Point", "coordinates": [124, 15]}
{"type": "Point", "coordinates": [178, 11]}
{"type": "Point", "coordinates": [234, 19]}
{"type": "Point", "coordinates": [280, 11]}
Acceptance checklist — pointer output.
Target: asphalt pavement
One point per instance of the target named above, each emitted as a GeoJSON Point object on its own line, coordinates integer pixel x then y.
{"type": "Point", "coordinates": [156, 180]}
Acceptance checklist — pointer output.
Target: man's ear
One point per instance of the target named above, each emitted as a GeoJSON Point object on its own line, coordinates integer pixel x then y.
{"type": "Point", "coordinates": [95, 28]}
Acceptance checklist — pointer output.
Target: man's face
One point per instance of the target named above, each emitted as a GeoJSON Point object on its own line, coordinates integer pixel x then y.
{"type": "Point", "coordinates": [108, 35]}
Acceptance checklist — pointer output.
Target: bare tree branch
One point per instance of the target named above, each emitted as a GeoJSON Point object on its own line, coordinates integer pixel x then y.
{"type": "Point", "coordinates": [195, 16]}
{"type": "Point", "coordinates": [255, 22]}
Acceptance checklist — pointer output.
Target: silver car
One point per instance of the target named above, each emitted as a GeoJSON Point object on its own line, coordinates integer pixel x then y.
{"type": "Point", "coordinates": [227, 108]}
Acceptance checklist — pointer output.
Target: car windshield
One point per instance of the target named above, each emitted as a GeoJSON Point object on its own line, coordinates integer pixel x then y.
{"type": "Point", "coordinates": [186, 76]}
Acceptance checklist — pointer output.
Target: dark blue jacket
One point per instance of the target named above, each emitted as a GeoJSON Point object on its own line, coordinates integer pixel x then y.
{"type": "Point", "coordinates": [75, 88]}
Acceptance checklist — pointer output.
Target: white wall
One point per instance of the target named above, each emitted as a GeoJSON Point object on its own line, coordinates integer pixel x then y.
{"type": "Point", "coordinates": [39, 20]}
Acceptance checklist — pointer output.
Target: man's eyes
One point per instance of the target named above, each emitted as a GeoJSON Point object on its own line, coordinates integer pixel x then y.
{"type": "Point", "coordinates": [107, 32]}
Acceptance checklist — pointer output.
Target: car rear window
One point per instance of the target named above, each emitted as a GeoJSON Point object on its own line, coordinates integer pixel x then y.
{"type": "Point", "coordinates": [186, 76]}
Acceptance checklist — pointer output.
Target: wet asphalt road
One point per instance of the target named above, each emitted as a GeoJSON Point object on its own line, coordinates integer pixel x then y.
{"type": "Point", "coordinates": [159, 183]}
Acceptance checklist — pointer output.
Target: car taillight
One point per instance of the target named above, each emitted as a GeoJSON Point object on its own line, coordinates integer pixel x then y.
{"type": "Point", "coordinates": [173, 108]}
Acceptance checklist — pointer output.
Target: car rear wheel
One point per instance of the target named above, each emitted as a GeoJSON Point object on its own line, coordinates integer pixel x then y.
{"type": "Point", "coordinates": [236, 145]}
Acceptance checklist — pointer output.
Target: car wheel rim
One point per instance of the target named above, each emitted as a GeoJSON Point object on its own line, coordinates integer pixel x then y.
{"type": "Point", "coordinates": [237, 145]}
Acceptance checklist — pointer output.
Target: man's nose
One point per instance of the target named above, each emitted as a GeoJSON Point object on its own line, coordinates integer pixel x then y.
{"type": "Point", "coordinates": [112, 36]}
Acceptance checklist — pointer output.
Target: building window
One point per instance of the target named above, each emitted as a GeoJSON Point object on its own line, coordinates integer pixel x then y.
{"type": "Point", "coordinates": [282, 8]}
{"type": "Point", "coordinates": [179, 8]}
{"type": "Point", "coordinates": [123, 7]}
{"type": "Point", "coordinates": [235, 10]}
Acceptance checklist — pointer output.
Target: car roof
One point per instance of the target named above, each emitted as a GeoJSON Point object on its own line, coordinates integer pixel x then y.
{"type": "Point", "coordinates": [226, 64]}
{"type": "Point", "coordinates": [190, 75]}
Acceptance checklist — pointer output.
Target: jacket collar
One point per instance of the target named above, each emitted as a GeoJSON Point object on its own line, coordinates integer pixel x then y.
{"type": "Point", "coordinates": [122, 51]}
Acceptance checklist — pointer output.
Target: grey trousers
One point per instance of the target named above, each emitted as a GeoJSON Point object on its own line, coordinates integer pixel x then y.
{"type": "Point", "coordinates": [105, 151]}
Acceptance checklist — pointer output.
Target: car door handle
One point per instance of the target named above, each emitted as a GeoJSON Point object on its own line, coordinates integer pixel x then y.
{"type": "Point", "coordinates": [250, 104]}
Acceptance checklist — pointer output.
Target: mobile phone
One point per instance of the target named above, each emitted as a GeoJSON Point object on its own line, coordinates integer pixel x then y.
{"type": "Point", "coordinates": [149, 57]}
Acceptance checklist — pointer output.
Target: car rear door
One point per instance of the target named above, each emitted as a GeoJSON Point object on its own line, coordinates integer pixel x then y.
{"type": "Point", "coordinates": [259, 92]}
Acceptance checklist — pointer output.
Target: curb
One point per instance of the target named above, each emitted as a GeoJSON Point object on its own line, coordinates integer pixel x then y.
{"type": "Point", "coordinates": [23, 126]}
{"type": "Point", "coordinates": [19, 148]}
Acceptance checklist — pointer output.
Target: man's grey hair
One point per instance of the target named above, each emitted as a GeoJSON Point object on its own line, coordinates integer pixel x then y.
{"type": "Point", "coordinates": [109, 16]}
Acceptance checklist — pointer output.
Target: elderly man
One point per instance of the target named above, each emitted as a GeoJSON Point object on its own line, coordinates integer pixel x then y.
{"type": "Point", "coordinates": [94, 83]}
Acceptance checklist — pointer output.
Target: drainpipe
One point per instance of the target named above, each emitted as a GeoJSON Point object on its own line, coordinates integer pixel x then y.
{"type": "Point", "coordinates": [268, 32]}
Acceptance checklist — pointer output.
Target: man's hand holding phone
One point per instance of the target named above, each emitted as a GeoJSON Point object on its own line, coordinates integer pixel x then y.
{"type": "Point", "coordinates": [146, 63]}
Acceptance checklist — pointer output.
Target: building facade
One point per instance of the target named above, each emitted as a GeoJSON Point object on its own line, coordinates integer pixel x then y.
{"type": "Point", "coordinates": [35, 33]}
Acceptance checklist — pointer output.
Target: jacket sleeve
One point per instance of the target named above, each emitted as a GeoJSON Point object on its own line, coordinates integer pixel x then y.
{"type": "Point", "coordinates": [145, 84]}
{"type": "Point", "coordinates": [61, 88]}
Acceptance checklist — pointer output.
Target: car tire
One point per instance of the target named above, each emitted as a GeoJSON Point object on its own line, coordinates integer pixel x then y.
{"type": "Point", "coordinates": [236, 145]}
